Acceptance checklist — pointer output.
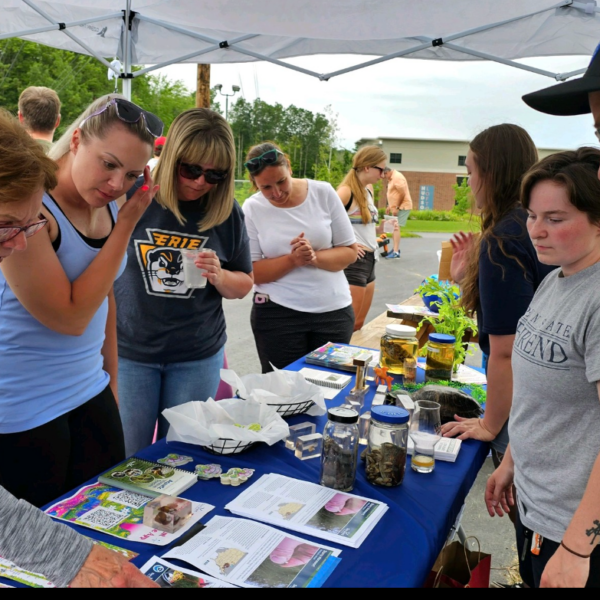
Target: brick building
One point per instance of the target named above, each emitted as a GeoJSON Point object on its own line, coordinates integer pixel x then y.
{"type": "Point", "coordinates": [430, 166]}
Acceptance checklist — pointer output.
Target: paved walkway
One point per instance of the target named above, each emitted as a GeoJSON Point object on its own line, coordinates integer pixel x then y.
{"type": "Point", "coordinates": [396, 280]}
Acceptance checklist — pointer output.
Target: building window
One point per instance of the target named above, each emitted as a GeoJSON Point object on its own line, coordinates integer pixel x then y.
{"type": "Point", "coordinates": [396, 158]}
{"type": "Point", "coordinates": [460, 179]}
{"type": "Point", "coordinates": [461, 161]}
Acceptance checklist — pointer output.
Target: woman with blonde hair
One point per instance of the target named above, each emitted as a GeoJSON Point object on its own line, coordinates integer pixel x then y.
{"type": "Point", "coordinates": [171, 337]}
{"type": "Point", "coordinates": [28, 537]}
{"type": "Point", "coordinates": [58, 372]}
{"type": "Point", "coordinates": [356, 194]}
{"type": "Point", "coordinates": [301, 241]}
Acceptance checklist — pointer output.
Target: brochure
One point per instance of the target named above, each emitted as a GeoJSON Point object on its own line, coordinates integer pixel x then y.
{"type": "Point", "coordinates": [249, 554]}
{"type": "Point", "coordinates": [145, 477]}
{"type": "Point", "coordinates": [339, 356]}
{"type": "Point", "coordinates": [171, 576]}
{"type": "Point", "coordinates": [309, 508]}
{"type": "Point", "coordinates": [119, 513]}
{"type": "Point", "coordinates": [405, 309]}
{"type": "Point", "coordinates": [464, 374]}
{"type": "Point", "coordinates": [9, 570]}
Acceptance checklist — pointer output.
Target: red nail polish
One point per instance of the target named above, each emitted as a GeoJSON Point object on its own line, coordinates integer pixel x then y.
{"type": "Point", "coordinates": [145, 188]}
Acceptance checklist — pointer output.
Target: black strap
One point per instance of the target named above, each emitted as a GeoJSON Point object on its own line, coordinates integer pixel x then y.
{"type": "Point", "coordinates": [347, 206]}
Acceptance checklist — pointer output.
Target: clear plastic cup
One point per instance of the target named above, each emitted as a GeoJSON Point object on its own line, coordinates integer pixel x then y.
{"type": "Point", "coordinates": [388, 224]}
{"type": "Point", "coordinates": [192, 275]}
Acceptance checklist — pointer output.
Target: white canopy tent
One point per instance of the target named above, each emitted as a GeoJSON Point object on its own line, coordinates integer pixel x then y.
{"type": "Point", "coordinates": [163, 32]}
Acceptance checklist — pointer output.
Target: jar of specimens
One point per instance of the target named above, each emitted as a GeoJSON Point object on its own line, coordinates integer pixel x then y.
{"type": "Point", "coordinates": [398, 343]}
{"type": "Point", "coordinates": [440, 357]}
{"type": "Point", "coordinates": [385, 458]}
{"type": "Point", "coordinates": [340, 449]}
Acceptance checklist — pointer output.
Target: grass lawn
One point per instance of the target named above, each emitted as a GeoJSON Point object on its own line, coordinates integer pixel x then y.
{"type": "Point", "coordinates": [440, 226]}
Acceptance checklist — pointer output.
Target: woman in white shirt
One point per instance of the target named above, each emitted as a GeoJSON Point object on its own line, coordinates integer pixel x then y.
{"type": "Point", "coordinates": [356, 194]}
{"type": "Point", "coordinates": [301, 240]}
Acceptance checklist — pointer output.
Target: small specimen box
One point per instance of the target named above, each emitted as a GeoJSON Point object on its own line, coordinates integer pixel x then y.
{"type": "Point", "coordinates": [167, 513]}
{"type": "Point", "coordinates": [309, 446]}
{"type": "Point", "coordinates": [406, 402]}
{"type": "Point", "coordinates": [363, 427]}
{"type": "Point", "coordinates": [305, 428]}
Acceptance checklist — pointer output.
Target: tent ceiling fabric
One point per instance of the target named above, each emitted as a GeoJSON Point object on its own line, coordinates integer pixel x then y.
{"type": "Point", "coordinates": [281, 29]}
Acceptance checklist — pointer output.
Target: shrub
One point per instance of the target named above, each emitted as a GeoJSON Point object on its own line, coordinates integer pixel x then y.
{"type": "Point", "coordinates": [462, 198]}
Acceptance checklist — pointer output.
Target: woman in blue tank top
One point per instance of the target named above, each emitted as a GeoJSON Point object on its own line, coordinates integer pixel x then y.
{"type": "Point", "coordinates": [58, 414]}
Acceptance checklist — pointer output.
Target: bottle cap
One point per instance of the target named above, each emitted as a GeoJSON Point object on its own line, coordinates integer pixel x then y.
{"type": "Point", "coordinates": [442, 338]}
{"type": "Point", "coordinates": [339, 414]}
{"type": "Point", "coordinates": [389, 414]}
{"type": "Point", "coordinates": [401, 331]}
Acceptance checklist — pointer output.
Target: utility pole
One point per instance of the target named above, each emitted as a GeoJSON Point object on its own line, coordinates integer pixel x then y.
{"type": "Point", "coordinates": [203, 86]}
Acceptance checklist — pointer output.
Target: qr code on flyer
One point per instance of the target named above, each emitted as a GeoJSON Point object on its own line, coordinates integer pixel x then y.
{"type": "Point", "coordinates": [130, 499]}
{"type": "Point", "coordinates": [102, 518]}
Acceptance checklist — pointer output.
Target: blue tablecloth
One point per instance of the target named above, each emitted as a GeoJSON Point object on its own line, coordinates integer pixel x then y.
{"type": "Point", "coordinates": [402, 548]}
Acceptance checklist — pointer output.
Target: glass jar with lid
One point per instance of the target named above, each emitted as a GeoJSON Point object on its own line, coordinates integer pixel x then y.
{"type": "Point", "coordinates": [340, 449]}
{"type": "Point", "coordinates": [386, 451]}
{"type": "Point", "coordinates": [398, 343]}
{"type": "Point", "coordinates": [440, 357]}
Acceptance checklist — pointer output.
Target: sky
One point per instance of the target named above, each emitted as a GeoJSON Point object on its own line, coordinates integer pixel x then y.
{"type": "Point", "coordinates": [408, 97]}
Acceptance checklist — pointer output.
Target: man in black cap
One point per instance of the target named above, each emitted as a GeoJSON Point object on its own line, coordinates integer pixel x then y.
{"type": "Point", "coordinates": [575, 97]}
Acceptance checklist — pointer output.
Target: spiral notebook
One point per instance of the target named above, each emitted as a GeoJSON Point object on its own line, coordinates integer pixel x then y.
{"type": "Point", "coordinates": [148, 478]}
{"type": "Point", "coordinates": [325, 378]}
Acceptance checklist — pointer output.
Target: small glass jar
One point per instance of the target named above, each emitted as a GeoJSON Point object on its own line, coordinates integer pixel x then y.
{"type": "Point", "coordinates": [398, 343]}
{"type": "Point", "coordinates": [386, 451]}
{"type": "Point", "coordinates": [440, 357]}
{"type": "Point", "coordinates": [340, 449]}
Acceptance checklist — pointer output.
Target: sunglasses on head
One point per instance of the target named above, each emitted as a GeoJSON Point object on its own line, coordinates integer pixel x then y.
{"type": "Point", "coordinates": [9, 233]}
{"type": "Point", "coordinates": [270, 157]}
{"type": "Point", "coordinates": [131, 113]}
{"type": "Point", "coordinates": [188, 171]}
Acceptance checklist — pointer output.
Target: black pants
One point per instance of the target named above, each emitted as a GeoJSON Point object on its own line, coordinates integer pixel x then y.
{"type": "Point", "coordinates": [43, 463]}
{"type": "Point", "coordinates": [531, 566]}
{"type": "Point", "coordinates": [283, 335]}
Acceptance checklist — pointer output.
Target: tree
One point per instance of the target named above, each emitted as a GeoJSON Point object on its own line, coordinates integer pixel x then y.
{"type": "Point", "coordinates": [462, 197]}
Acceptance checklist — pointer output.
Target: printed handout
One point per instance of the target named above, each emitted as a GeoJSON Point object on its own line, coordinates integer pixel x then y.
{"type": "Point", "coordinates": [171, 576]}
{"type": "Point", "coordinates": [309, 508]}
{"type": "Point", "coordinates": [119, 513]}
{"type": "Point", "coordinates": [250, 554]}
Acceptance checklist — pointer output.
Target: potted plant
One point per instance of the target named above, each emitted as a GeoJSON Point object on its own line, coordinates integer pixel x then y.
{"type": "Point", "coordinates": [451, 318]}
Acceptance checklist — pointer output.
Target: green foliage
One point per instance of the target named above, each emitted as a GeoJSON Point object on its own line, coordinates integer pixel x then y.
{"type": "Point", "coordinates": [451, 319]}
{"type": "Point", "coordinates": [436, 215]}
{"type": "Point", "coordinates": [242, 192]}
{"type": "Point", "coordinates": [78, 80]}
{"type": "Point", "coordinates": [462, 197]}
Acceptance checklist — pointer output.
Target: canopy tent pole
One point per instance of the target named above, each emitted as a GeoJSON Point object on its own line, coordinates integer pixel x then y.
{"type": "Point", "coordinates": [126, 75]}
{"type": "Point", "coordinates": [59, 26]}
{"type": "Point", "coordinates": [69, 34]}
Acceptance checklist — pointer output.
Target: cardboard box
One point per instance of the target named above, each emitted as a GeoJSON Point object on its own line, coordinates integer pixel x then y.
{"type": "Point", "coordinates": [445, 260]}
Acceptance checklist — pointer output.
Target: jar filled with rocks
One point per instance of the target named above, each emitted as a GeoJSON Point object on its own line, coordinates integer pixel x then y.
{"type": "Point", "coordinates": [340, 449]}
{"type": "Point", "coordinates": [385, 455]}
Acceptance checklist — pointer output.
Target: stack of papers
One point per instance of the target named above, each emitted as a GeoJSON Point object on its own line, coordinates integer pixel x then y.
{"type": "Point", "coordinates": [250, 554]}
{"type": "Point", "coordinates": [310, 509]}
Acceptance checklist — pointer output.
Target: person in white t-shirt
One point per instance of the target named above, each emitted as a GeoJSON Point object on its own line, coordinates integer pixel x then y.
{"type": "Point", "coordinates": [301, 240]}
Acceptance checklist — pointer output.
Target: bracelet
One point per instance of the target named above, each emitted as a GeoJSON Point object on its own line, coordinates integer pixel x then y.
{"type": "Point", "coordinates": [575, 553]}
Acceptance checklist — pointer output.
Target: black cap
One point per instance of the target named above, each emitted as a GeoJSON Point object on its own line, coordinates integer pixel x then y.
{"type": "Point", "coordinates": [569, 97]}
{"type": "Point", "coordinates": [341, 414]}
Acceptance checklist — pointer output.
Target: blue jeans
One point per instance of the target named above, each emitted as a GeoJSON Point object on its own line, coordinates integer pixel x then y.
{"type": "Point", "coordinates": [146, 389]}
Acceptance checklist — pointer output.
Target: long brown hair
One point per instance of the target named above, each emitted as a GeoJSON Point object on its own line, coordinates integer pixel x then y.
{"type": "Point", "coordinates": [367, 156]}
{"type": "Point", "coordinates": [503, 154]}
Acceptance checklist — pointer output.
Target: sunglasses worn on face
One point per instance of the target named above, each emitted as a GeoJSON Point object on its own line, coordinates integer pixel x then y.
{"type": "Point", "coordinates": [131, 113]}
{"type": "Point", "coordinates": [380, 169]}
{"type": "Point", "coordinates": [188, 171]}
{"type": "Point", "coordinates": [270, 157]}
{"type": "Point", "coordinates": [9, 233]}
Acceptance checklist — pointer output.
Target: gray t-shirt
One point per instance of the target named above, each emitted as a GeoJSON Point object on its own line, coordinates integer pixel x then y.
{"type": "Point", "coordinates": [31, 540]}
{"type": "Point", "coordinates": [554, 423]}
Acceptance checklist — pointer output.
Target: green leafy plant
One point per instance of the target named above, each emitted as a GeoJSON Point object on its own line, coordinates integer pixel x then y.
{"type": "Point", "coordinates": [462, 197]}
{"type": "Point", "coordinates": [451, 318]}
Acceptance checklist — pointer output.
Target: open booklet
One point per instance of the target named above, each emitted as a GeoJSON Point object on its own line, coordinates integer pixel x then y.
{"type": "Point", "coordinates": [309, 508]}
{"type": "Point", "coordinates": [119, 513]}
{"type": "Point", "coordinates": [171, 576]}
{"type": "Point", "coordinates": [249, 554]}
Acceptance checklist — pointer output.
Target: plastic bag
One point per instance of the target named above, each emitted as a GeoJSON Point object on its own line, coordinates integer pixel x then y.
{"type": "Point", "coordinates": [278, 387]}
{"type": "Point", "coordinates": [205, 423]}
